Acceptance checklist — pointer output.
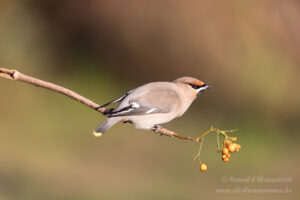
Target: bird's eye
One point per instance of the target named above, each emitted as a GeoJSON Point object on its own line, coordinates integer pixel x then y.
{"type": "Point", "coordinates": [195, 86]}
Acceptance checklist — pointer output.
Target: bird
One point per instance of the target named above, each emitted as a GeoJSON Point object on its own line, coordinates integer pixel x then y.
{"type": "Point", "coordinates": [152, 104]}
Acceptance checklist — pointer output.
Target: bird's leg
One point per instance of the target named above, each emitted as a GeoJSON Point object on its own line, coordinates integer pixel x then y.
{"type": "Point", "coordinates": [157, 127]}
{"type": "Point", "coordinates": [162, 131]}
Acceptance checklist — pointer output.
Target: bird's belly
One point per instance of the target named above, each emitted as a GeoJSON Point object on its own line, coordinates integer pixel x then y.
{"type": "Point", "coordinates": [149, 121]}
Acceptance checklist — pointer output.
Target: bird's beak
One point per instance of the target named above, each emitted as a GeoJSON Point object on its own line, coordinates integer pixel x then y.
{"type": "Point", "coordinates": [208, 86]}
{"type": "Point", "coordinates": [202, 89]}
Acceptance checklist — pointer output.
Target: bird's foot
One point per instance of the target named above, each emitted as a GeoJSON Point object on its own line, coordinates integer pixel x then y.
{"type": "Point", "coordinates": [156, 127]}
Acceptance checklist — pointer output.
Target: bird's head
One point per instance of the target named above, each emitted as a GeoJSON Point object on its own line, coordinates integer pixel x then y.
{"type": "Point", "coordinates": [193, 85]}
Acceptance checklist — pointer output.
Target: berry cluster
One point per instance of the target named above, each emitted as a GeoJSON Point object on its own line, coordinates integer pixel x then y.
{"type": "Point", "coordinates": [229, 147]}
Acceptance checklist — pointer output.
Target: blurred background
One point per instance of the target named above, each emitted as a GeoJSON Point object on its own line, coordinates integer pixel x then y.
{"type": "Point", "coordinates": [247, 50]}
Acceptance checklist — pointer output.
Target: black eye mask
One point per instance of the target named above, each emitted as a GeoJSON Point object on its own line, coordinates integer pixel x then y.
{"type": "Point", "coordinates": [197, 86]}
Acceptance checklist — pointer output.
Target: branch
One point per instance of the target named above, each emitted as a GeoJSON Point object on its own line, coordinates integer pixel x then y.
{"type": "Point", "coordinates": [18, 76]}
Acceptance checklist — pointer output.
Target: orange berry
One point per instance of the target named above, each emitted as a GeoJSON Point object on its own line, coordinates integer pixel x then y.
{"type": "Point", "coordinates": [233, 139]}
{"type": "Point", "coordinates": [226, 156]}
{"type": "Point", "coordinates": [231, 147]}
{"type": "Point", "coordinates": [226, 143]}
{"type": "Point", "coordinates": [226, 159]}
{"type": "Point", "coordinates": [225, 150]}
{"type": "Point", "coordinates": [203, 167]}
{"type": "Point", "coordinates": [238, 147]}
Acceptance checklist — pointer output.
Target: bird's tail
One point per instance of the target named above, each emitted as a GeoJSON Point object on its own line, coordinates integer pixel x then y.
{"type": "Point", "coordinates": [105, 125]}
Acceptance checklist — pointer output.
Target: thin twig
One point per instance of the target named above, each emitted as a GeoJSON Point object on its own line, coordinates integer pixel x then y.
{"type": "Point", "coordinates": [18, 76]}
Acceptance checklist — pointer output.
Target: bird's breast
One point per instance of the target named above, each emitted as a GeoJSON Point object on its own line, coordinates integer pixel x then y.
{"type": "Point", "coordinates": [149, 121]}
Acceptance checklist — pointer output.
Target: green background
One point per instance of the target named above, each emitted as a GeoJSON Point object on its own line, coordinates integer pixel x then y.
{"type": "Point", "coordinates": [247, 50]}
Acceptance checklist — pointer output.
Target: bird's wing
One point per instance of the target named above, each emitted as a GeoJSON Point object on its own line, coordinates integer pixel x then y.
{"type": "Point", "coordinates": [161, 100]}
{"type": "Point", "coordinates": [117, 100]}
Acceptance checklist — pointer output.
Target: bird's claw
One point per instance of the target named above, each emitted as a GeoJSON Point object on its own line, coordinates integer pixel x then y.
{"type": "Point", "coordinates": [158, 127]}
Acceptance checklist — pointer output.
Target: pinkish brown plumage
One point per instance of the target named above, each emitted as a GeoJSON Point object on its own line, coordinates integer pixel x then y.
{"type": "Point", "coordinates": [153, 104]}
